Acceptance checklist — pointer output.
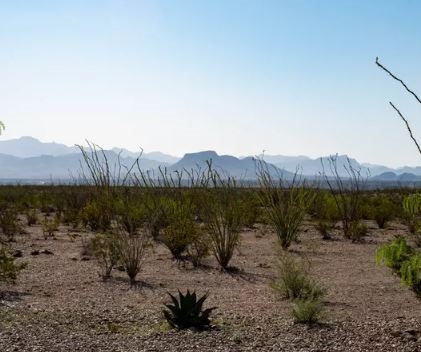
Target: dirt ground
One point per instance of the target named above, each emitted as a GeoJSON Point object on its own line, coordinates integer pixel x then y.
{"type": "Point", "coordinates": [60, 303]}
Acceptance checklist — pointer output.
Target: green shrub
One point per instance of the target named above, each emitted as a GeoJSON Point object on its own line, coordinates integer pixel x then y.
{"type": "Point", "coordinates": [31, 216]}
{"type": "Point", "coordinates": [223, 219]}
{"type": "Point", "coordinates": [182, 230]}
{"type": "Point", "coordinates": [357, 230]}
{"type": "Point", "coordinates": [131, 249]}
{"type": "Point", "coordinates": [393, 254]}
{"type": "Point", "coordinates": [307, 311]}
{"type": "Point", "coordinates": [9, 270]}
{"type": "Point", "coordinates": [96, 216]}
{"type": "Point", "coordinates": [325, 211]}
{"type": "Point", "coordinates": [187, 311]}
{"type": "Point", "coordinates": [293, 280]}
{"type": "Point", "coordinates": [131, 214]}
{"type": "Point", "coordinates": [198, 249]}
{"type": "Point", "coordinates": [285, 204]}
{"type": "Point", "coordinates": [410, 272]}
{"type": "Point", "coordinates": [412, 209]}
{"type": "Point", "coordinates": [50, 226]}
{"type": "Point", "coordinates": [9, 223]}
{"type": "Point", "coordinates": [104, 248]}
{"type": "Point", "coordinates": [383, 210]}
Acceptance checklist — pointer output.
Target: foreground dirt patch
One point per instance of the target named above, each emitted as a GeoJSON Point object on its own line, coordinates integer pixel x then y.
{"type": "Point", "coordinates": [60, 303]}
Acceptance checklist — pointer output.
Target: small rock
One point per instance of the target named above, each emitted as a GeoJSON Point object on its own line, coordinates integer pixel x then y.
{"type": "Point", "coordinates": [35, 252]}
{"type": "Point", "coordinates": [85, 258]}
{"type": "Point", "coordinates": [47, 251]}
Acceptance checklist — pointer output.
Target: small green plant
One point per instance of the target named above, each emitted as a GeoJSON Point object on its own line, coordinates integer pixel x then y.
{"type": "Point", "coordinates": [393, 254]}
{"type": "Point", "coordinates": [198, 249]}
{"type": "Point", "coordinates": [9, 270]}
{"type": "Point", "coordinates": [131, 249]}
{"type": "Point", "coordinates": [410, 272]}
{"type": "Point", "coordinates": [31, 216]}
{"type": "Point", "coordinates": [187, 311]}
{"type": "Point", "coordinates": [307, 311]}
{"type": "Point", "coordinates": [412, 208]}
{"type": "Point", "coordinates": [293, 280]}
{"type": "Point", "coordinates": [96, 215]}
{"type": "Point", "coordinates": [9, 223]}
{"type": "Point", "coordinates": [383, 210]}
{"type": "Point", "coordinates": [182, 230]}
{"type": "Point", "coordinates": [326, 214]}
{"type": "Point", "coordinates": [50, 226]}
{"type": "Point", "coordinates": [357, 230]}
{"type": "Point", "coordinates": [105, 249]}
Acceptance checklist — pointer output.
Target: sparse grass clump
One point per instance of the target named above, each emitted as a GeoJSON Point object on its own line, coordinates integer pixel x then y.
{"type": "Point", "coordinates": [104, 248]}
{"type": "Point", "coordinates": [293, 283]}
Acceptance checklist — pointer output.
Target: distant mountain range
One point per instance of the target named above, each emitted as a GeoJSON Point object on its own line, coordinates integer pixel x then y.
{"type": "Point", "coordinates": [28, 158]}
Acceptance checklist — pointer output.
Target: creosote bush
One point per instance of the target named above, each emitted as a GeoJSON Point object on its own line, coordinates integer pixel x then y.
{"type": "Point", "coordinates": [9, 269]}
{"type": "Point", "coordinates": [9, 222]}
{"type": "Point", "coordinates": [182, 230]}
{"type": "Point", "coordinates": [104, 248]}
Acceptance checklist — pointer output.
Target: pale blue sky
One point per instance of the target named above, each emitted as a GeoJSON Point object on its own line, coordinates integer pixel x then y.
{"type": "Point", "coordinates": [236, 76]}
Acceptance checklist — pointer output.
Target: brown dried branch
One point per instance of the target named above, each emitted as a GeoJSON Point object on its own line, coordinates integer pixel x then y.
{"type": "Point", "coordinates": [407, 125]}
{"type": "Point", "coordinates": [397, 79]}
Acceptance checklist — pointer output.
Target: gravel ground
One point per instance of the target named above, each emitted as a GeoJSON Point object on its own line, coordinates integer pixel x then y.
{"type": "Point", "coordinates": [61, 304]}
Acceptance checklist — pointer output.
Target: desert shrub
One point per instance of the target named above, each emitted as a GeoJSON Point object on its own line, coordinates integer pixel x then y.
{"type": "Point", "coordinates": [182, 230]}
{"type": "Point", "coordinates": [285, 204]}
{"type": "Point", "coordinates": [383, 210]}
{"type": "Point", "coordinates": [293, 280]}
{"type": "Point", "coordinates": [412, 209]}
{"type": "Point", "coordinates": [104, 248]}
{"type": "Point", "coordinates": [357, 230]}
{"type": "Point", "coordinates": [9, 222]}
{"type": "Point", "coordinates": [50, 226]}
{"type": "Point", "coordinates": [130, 212]}
{"type": "Point", "coordinates": [31, 216]}
{"type": "Point", "coordinates": [9, 269]}
{"type": "Point", "coordinates": [307, 311]}
{"type": "Point", "coordinates": [326, 214]}
{"type": "Point", "coordinates": [222, 216]}
{"type": "Point", "coordinates": [393, 254]}
{"type": "Point", "coordinates": [131, 249]}
{"type": "Point", "coordinates": [96, 215]}
{"type": "Point", "coordinates": [155, 207]}
{"type": "Point", "coordinates": [347, 192]}
{"type": "Point", "coordinates": [199, 248]}
{"type": "Point", "coordinates": [410, 272]}
{"type": "Point", "coordinates": [250, 208]}
{"type": "Point", "coordinates": [187, 311]}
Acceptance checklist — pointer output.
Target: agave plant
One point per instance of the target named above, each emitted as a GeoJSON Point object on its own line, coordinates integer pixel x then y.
{"type": "Point", "coordinates": [186, 311]}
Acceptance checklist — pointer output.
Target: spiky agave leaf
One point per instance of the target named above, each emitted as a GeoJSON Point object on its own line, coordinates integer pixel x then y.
{"type": "Point", "coordinates": [187, 311]}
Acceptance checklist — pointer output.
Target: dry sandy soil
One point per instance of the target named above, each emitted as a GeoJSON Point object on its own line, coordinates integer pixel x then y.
{"type": "Point", "coordinates": [61, 304]}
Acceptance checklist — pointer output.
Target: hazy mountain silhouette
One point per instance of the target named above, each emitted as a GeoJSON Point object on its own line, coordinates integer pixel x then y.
{"type": "Point", "coordinates": [226, 165]}
{"type": "Point", "coordinates": [28, 158]}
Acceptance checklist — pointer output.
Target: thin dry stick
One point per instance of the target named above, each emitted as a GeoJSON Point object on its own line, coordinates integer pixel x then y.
{"type": "Point", "coordinates": [395, 108]}
{"type": "Point", "coordinates": [407, 125]}
{"type": "Point", "coordinates": [397, 79]}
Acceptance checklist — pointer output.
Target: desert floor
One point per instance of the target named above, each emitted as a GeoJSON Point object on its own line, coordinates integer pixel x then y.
{"type": "Point", "coordinates": [60, 303]}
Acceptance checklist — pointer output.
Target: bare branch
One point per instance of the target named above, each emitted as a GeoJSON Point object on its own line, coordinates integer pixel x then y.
{"type": "Point", "coordinates": [397, 79]}
{"type": "Point", "coordinates": [407, 125]}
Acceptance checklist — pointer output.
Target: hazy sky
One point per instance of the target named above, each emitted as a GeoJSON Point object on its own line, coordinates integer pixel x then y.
{"type": "Point", "coordinates": [236, 76]}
